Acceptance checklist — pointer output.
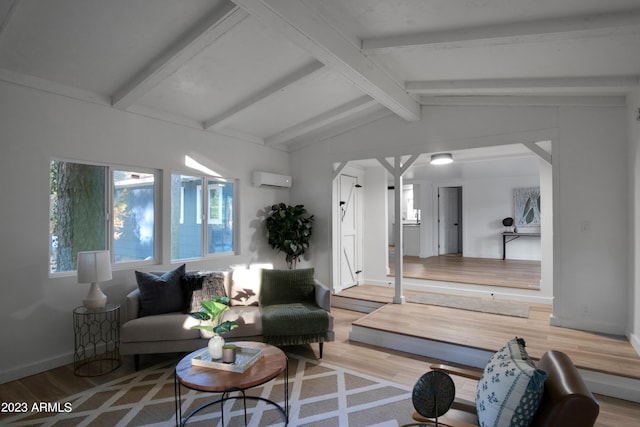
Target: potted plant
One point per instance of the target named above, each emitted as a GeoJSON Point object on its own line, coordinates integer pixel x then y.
{"type": "Point", "coordinates": [289, 231]}
{"type": "Point", "coordinates": [210, 313]}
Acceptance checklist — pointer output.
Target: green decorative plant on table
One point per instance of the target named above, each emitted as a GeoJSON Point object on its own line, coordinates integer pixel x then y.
{"type": "Point", "coordinates": [210, 313]}
{"type": "Point", "coordinates": [289, 231]}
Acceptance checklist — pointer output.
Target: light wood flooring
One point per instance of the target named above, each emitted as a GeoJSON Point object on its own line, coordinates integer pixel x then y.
{"type": "Point", "coordinates": [403, 368]}
{"type": "Point", "coordinates": [588, 350]}
{"type": "Point", "coordinates": [481, 271]}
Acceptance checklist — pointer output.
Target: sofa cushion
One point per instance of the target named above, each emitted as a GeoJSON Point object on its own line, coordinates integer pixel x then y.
{"type": "Point", "coordinates": [161, 294]}
{"type": "Point", "coordinates": [248, 320]}
{"type": "Point", "coordinates": [287, 286]}
{"type": "Point", "coordinates": [162, 327]}
{"type": "Point", "coordinates": [204, 287]}
{"type": "Point", "coordinates": [510, 389]}
{"type": "Point", "coordinates": [245, 286]}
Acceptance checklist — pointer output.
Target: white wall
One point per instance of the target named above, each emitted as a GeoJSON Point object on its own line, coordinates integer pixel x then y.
{"type": "Point", "coordinates": [312, 184]}
{"type": "Point", "coordinates": [36, 327]}
{"type": "Point", "coordinates": [376, 220]}
{"type": "Point", "coordinates": [589, 270]}
{"type": "Point", "coordinates": [633, 127]}
{"type": "Point", "coordinates": [591, 284]}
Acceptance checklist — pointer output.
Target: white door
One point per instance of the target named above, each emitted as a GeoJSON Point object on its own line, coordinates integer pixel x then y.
{"type": "Point", "coordinates": [450, 220]}
{"type": "Point", "coordinates": [348, 211]}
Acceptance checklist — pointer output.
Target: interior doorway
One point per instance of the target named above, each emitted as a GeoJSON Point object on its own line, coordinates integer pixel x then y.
{"type": "Point", "coordinates": [450, 224]}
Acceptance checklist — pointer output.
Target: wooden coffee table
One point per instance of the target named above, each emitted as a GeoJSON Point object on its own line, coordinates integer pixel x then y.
{"type": "Point", "coordinates": [272, 363]}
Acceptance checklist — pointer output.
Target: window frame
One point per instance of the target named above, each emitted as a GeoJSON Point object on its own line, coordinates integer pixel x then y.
{"type": "Point", "coordinates": [110, 168]}
{"type": "Point", "coordinates": [202, 217]}
{"type": "Point", "coordinates": [157, 216]}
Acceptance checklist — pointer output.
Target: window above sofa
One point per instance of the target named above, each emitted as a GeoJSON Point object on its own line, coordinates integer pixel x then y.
{"type": "Point", "coordinates": [202, 216]}
{"type": "Point", "coordinates": [97, 207]}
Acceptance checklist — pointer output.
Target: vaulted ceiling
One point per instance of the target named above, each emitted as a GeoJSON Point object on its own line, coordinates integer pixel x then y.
{"type": "Point", "coordinates": [286, 72]}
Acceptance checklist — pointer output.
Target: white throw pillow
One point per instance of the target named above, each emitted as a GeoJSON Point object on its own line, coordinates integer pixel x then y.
{"type": "Point", "coordinates": [510, 389]}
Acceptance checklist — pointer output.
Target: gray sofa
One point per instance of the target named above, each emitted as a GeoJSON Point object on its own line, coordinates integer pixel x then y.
{"type": "Point", "coordinates": [171, 332]}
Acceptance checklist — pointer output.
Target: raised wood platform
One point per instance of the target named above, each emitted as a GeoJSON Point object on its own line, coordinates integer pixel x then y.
{"type": "Point", "coordinates": [609, 364]}
{"type": "Point", "coordinates": [510, 273]}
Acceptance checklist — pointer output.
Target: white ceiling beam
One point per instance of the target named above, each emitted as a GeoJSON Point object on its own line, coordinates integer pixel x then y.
{"type": "Point", "coordinates": [244, 136]}
{"type": "Point", "coordinates": [176, 119]}
{"type": "Point", "coordinates": [10, 9]}
{"type": "Point", "coordinates": [323, 119]}
{"type": "Point", "coordinates": [338, 129]}
{"type": "Point", "coordinates": [524, 86]}
{"type": "Point", "coordinates": [205, 33]}
{"type": "Point", "coordinates": [539, 151]}
{"type": "Point", "coordinates": [339, 169]}
{"type": "Point", "coordinates": [544, 100]}
{"type": "Point", "coordinates": [49, 86]}
{"type": "Point", "coordinates": [221, 120]}
{"type": "Point", "coordinates": [304, 27]}
{"type": "Point", "coordinates": [606, 24]}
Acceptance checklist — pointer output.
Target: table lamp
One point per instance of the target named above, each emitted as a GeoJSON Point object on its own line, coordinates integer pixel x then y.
{"type": "Point", "coordinates": [94, 267]}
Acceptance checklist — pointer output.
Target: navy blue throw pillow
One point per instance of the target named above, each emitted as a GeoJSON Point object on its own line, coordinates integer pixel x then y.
{"type": "Point", "coordinates": [161, 294]}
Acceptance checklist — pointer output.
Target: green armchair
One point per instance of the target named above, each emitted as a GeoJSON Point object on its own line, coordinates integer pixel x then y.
{"type": "Point", "coordinates": [295, 308]}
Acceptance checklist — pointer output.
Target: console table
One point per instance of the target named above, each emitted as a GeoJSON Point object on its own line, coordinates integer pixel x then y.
{"type": "Point", "coordinates": [508, 236]}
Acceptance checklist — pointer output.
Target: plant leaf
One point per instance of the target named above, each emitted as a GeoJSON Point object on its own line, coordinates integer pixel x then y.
{"type": "Point", "coordinates": [200, 315]}
{"type": "Point", "coordinates": [225, 327]}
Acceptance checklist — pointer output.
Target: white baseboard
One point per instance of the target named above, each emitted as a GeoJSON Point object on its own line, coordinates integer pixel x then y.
{"type": "Point", "coordinates": [22, 371]}
{"type": "Point", "coordinates": [635, 342]}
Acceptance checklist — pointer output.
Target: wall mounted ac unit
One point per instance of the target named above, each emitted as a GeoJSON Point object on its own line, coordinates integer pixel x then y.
{"type": "Point", "coordinates": [266, 179]}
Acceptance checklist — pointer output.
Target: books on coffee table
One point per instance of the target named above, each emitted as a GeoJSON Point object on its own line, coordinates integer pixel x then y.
{"type": "Point", "coordinates": [245, 358]}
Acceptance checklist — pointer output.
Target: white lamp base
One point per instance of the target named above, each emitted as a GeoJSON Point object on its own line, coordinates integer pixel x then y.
{"type": "Point", "coordinates": [95, 299]}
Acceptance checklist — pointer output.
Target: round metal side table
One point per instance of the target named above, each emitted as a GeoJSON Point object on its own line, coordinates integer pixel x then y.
{"type": "Point", "coordinates": [97, 340]}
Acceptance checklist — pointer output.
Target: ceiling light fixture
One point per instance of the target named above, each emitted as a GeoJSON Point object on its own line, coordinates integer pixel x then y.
{"type": "Point", "coordinates": [441, 159]}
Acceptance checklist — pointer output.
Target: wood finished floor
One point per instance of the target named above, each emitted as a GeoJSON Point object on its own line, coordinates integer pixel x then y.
{"type": "Point", "coordinates": [588, 350]}
{"type": "Point", "coordinates": [481, 271]}
{"type": "Point", "coordinates": [403, 368]}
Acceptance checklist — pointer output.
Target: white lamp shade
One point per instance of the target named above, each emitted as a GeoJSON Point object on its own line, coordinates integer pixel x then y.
{"type": "Point", "coordinates": [94, 266]}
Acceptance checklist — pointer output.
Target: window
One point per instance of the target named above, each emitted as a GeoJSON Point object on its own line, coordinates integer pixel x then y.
{"type": "Point", "coordinates": [199, 228]}
{"type": "Point", "coordinates": [78, 214]}
{"type": "Point", "coordinates": [220, 217]}
{"type": "Point", "coordinates": [133, 216]}
{"type": "Point", "coordinates": [80, 208]}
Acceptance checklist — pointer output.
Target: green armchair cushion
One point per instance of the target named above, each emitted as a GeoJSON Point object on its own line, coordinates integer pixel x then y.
{"type": "Point", "coordinates": [289, 312]}
{"type": "Point", "coordinates": [286, 286]}
{"type": "Point", "coordinates": [294, 323]}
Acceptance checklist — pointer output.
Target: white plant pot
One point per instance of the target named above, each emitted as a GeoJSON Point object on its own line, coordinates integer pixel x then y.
{"type": "Point", "coordinates": [215, 347]}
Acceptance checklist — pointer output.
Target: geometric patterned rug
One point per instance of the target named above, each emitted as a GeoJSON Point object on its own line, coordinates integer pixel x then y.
{"type": "Point", "coordinates": [319, 395]}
